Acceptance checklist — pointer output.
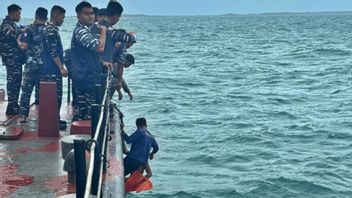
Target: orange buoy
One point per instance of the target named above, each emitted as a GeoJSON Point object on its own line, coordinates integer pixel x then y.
{"type": "Point", "coordinates": [137, 182]}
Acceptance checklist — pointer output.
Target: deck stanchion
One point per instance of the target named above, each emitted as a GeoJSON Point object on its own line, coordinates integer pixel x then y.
{"type": "Point", "coordinates": [95, 118]}
{"type": "Point", "coordinates": [48, 123]}
{"type": "Point", "coordinates": [80, 166]}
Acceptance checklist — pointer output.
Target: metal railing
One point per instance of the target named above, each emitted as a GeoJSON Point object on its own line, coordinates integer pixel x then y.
{"type": "Point", "coordinates": [92, 182]}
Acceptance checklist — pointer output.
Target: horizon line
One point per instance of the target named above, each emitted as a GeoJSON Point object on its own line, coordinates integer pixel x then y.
{"type": "Point", "coordinates": [226, 14]}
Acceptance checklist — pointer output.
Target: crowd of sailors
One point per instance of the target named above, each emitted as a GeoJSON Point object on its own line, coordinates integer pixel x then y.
{"type": "Point", "coordinates": [96, 48]}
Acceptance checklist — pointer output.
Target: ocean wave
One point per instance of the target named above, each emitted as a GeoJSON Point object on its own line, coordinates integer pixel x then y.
{"type": "Point", "coordinates": [180, 194]}
{"type": "Point", "coordinates": [286, 187]}
{"type": "Point", "coordinates": [332, 52]}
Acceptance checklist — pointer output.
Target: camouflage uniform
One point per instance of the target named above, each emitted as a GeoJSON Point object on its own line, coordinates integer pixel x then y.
{"type": "Point", "coordinates": [13, 58]}
{"type": "Point", "coordinates": [34, 38]}
{"type": "Point", "coordinates": [53, 48]}
{"type": "Point", "coordinates": [67, 60]}
{"type": "Point", "coordinates": [86, 69]}
{"type": "Point", "coordinates": [86, 64]}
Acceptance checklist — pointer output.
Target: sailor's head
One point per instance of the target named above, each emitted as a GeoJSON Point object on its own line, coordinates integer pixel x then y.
{"type": "Point", "coordinates": [95, 11]}
{"type": "Point", "coordinates": [41, 14]}
{"type": "Point", "coordinates": [101, 14]}
{"type": "Point", "coordinates": [129, 60]}
{"type": "Point", "coordinates": [85, 13]}
{"type": "Point", "coordinates": [141, 122]}
{"type": "Point", "coordinates": [14, 12]}
{"type": "Point", "coordinates": [57, 15]}
{"type": "Point", "coordinates": [114, 11]}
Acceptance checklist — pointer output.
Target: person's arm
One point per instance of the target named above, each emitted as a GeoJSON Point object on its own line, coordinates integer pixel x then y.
{"type": "Point", "coordinates": [51, 41]}
{"type": "Point", "coordinates": [86, 39]}
{"type": "Point", "coordinates": [126, 89]}
{"type": "Point", "coordinates": [124, 147]}
{"type": "Point", "coordinates": [120, 94]}
{"type": "Point", "coordinates": [10, 32]}
{"type": "Point", "coordinates": [155, 147]}
{"type": "Point", "coordinates": [132, 138]}
{"type": "Point", "coordinates": [120, 35]}
{"type": "Point", "coordinates": [63, 69]}
{"type": "Point", "coordinates": [120, 69]}
{"type": "Point", "coordinates": [102, 39]}
{"type": "Point", "coordinates": [23, 45]}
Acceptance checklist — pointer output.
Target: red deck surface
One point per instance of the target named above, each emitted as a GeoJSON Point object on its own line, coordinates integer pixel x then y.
{"type": "Point", "coordinates": [33, 167]}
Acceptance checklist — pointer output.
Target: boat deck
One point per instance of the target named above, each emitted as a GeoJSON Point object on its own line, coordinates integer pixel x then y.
{"type": "Point", "coordinates": [33, 166]}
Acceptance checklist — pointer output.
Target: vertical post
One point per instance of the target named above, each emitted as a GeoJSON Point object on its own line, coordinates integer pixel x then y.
{"type": "Point", "coordinates": [68, 89]}
{"type": "Point", "coordinates": [96, 170]}
{"type": "Point", "coordinates": [98, 94]}
{"type": "Point", "coordinates": [95, 118]}
{"type": "Point", "coordinates": [107, 132]}
{"type": "Point", "coordinates": [48, 122]}
{"type": "Point", "coordinates": [80, 166]}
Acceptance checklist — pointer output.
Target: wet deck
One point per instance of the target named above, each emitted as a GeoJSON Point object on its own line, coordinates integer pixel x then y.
{"type": "Point", "coordinates": [33, 166]}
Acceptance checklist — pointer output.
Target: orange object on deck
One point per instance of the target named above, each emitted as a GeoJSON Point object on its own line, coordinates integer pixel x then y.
{"type": "Point", "coordinates": [48, 124]}
{"type": "Point", "coordinates": [137, 182]}
{"type": "Point", "coordinates": [81, 127]}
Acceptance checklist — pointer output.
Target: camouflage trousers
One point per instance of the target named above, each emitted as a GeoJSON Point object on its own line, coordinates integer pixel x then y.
{"type": "Point", "coordinates": [58, 80]}
{"type": "Point", "coordinates": [84, 101]}
{"type": "Point", "coordinates": [14, 78]}
{"type": "Point", "coordinates": [31, 77]}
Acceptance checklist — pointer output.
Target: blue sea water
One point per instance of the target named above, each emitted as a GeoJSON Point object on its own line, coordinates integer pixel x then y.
{"type": "Point", "coordinates": [243, 105]}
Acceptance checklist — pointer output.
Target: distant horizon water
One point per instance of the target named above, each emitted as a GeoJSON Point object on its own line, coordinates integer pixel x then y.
{"type": "Point", "coordinates": [224, 14]}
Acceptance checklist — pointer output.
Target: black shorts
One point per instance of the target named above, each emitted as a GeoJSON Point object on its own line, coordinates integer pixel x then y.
{"type": "Point", "coordinates": [130, 165]}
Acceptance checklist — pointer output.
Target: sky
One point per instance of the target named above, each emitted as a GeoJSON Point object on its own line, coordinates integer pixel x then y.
{"type": "Point", "coordinates": [189, 7]}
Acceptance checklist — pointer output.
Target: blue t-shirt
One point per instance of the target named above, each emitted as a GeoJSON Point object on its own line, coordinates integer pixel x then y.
{"type": "Point", "coordinates": [142, 142]}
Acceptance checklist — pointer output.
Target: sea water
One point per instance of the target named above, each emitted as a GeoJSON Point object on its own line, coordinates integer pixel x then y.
{"type": "Point", "coordinates": [242, 105]}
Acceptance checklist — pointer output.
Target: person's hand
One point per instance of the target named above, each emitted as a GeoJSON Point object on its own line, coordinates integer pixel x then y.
{"type": "Point", "coordinates": [102, 29]}
{"type": "Point", "coordinates": [122, 128]}
{"type": "Point", "coordinates": [117, 45]}
{"type": "Point", "coordinates": [23, 29]}
{"type": "Point", "coordinates": [148, 175]}
{"type": "Point", "coordinates": [151, 156]}
{"type": "Point", "coordinates": [108, 65]}
{"type": "Point", "coordinates": [130, 95]}
{"type": "Point", "coordinates": [64, 71]}
{"type": "Point", "coordinates": [133, 37]}
{"type": "Point", "coordinates": [120, 95]}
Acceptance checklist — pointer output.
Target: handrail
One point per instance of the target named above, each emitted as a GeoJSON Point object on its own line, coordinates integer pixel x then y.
{"type": "Point", "coordinates": [102, 156]}
{"type": "Point", "coordinates": [105, 104]}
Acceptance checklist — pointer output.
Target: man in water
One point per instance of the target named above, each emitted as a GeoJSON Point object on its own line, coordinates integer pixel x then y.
{"type": "Point", "coordinates": [86, 70]}
{"type": "Point", "coordinates": [142, 142]}
{"type": "Point", "coordinates": [12, 56]}
{"type": "Point", "coordinates": [32, 41]}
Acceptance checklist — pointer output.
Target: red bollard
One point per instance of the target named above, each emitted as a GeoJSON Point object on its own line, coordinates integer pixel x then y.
{"type": "Point", "coordinates": [48, 124]}
{"type": "Point", "coordinates": [81, 127]}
